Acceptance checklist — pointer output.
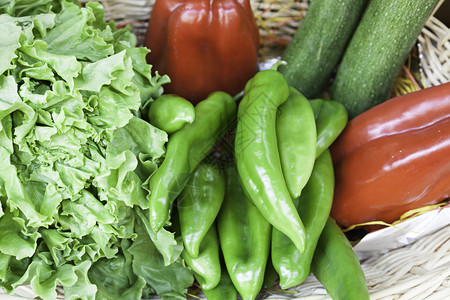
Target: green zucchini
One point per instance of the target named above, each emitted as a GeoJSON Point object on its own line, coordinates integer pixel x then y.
{"type": "Point", "coordinates": [376, 52]}
{"type": "Point", "coordinates": [319, 43]}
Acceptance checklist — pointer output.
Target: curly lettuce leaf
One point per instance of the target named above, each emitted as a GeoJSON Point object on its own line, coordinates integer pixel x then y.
{"type": "Point", "coordinates": [15, 240]}
{"type": "Point", "coordinates": [9, 42]}
{"type": "Point", "coordinates": [66, 67]}
{"type": "Point", "coordinates": [83, 288]}
{"type": "Point", "coordinates": [19, 197]}
{"type": "Point", "coordinates": [43, 279]}
{"type": "Point", "coordinates": [115, 71]}
{"type": "Point", "coordinates": [77, 158]}
{"type": "Point", "coordinates": [149, 86]}
{"type": "Point", "coordinates": [81, 33]}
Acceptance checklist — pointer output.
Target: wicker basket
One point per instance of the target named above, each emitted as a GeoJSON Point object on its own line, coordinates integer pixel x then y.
{"type": "Point", "coordinates": [419, 270]}
{"type": "Point", "coordinates": [435, 49]}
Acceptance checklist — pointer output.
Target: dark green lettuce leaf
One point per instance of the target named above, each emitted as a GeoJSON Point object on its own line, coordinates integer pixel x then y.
{"type": "Point", "coordinates": [115, 278]}
{"type": "Point", "coordinates": [168, 281]}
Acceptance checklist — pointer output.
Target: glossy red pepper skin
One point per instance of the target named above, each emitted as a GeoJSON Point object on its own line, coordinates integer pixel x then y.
{"type": "Point", "coordinates": [393, 158]}
{"type": "Point", "coordinates": [203, 45]}
{"type": "Point", "coordinates": [403, 113]}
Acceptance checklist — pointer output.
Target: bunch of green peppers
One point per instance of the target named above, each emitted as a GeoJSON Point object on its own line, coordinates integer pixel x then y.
{"type": "Point", "coordinates": [264, 213]}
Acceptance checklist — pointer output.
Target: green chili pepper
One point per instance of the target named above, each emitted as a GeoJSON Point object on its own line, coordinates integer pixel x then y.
{"type": "Point", "coordinates": [314, 207]}
{"type": "Point", "coordinates": [198, 205]}
{"type": "Point", "coordinates": [296, 133]}
{"type": "Point", "coordinates": [213, 116]}
{"type": "Point", "coordinates": [257, 155]}
{"type": "Point", "coordinates": [244, 236]}
{"type": "Point", "coordinates": [337, 267]}
{"type": "Point", "coordinates": [206, 266]}
{"type": "Point", "coordinates": [171, 113]}
{"type": "Point", "coordinates": [225, 290]}
{"type": "Point", "coordinates": [331, 118]}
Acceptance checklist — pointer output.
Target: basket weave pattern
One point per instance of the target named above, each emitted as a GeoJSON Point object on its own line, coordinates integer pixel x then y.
{"type": "Point", "coordinates": [417, 271]}
{"type": "Point", "coordinates": [435, 49]}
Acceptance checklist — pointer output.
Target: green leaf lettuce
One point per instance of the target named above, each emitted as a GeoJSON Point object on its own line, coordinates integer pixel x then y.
{"type": "Point", "coordinates": [76, 158]}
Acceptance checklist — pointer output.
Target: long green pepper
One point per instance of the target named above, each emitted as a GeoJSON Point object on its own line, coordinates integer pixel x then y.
{"type": "Point", "coordinates": [337, 267]}
{"type": "Point", "coordinates": [331, 118]}
{"type": "Point", "coordinates": [198, 205]}
{"type": "Point", "coordinates": [213, 116]}
{"type": "Point", "coordinates": [296, 133]}
{"type": "Point", "coordinates": [244, 236]}
{"type": "Point", "coordinates": [206, 265]}
{"type": "Point", "coordinates": [314, 207]}
{"type": "Point", "coordinates": [257, 155]}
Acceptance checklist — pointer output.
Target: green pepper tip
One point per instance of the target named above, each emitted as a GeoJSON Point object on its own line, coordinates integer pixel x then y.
{"type": "Point", "coordinates": [155, 225]}
{"type": "Point", "coordinates": [300, 242]}
{"type": "Point", "coordinates": [192, 250]}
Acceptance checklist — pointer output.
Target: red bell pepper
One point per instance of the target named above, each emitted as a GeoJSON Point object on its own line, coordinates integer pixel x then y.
{"type": "Point", "coordinates": [203, 45]}
{"type": "Point", "coordinates": [393, 158]}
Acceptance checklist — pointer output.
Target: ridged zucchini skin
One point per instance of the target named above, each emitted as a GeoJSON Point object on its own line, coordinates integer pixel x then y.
{"type": "Point", "coordinates": [376, 52]}
{"type": "Point", "coordinates": [319, 43]}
